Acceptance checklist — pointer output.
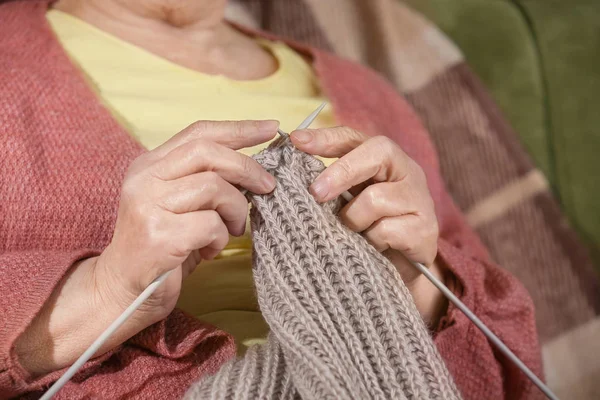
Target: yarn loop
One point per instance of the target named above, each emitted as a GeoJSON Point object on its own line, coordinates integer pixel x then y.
{"type": "Point", "coordinates": [343, 324]}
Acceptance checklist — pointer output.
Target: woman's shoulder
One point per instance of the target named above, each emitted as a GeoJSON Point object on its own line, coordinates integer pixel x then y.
{"type": "Point", "coordinates": [27, 56]}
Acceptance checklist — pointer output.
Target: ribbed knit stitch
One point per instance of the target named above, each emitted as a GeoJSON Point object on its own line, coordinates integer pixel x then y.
{"type": "Point", "coordinates": [343, 324]}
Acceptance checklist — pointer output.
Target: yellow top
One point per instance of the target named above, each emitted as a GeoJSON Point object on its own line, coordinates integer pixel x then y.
{"type": "Point", "coordinates": [154, 99]}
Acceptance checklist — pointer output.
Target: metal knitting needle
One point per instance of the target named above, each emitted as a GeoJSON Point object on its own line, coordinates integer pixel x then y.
{"type": "Point", "coordinates": [94, 347]}
{"type": "Point", "coordinates": [306, 123]}
{"type": "Point", "coordinates": [450, 296]}
{"type": "Point", "coordinates": [486, 331]}
{"type": "Point", "coordinates": [478, 323]}
{"type": "Point", "coordinates": [311, 118]}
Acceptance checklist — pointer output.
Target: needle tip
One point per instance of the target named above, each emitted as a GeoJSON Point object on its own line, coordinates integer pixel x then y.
{"type": "Point", "coordinates": [309, 120]}
{"type": "Point", "coordinates": [282, 133]}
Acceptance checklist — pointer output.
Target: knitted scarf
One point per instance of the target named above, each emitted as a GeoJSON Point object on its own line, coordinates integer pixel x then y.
{"type": "Point", "coordinates": [343, 324]}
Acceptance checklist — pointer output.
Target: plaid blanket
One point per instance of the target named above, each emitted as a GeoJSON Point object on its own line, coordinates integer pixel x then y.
{"type": "Point", "coordinates": [492, 179]}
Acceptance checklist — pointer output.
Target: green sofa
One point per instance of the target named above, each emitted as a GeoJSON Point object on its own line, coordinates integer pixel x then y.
{"type": "Point", "coordinates": [541, 61]}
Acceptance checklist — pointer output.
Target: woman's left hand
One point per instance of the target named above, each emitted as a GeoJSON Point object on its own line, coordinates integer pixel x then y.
{"type": "Point", "coordinates": [392, 206]}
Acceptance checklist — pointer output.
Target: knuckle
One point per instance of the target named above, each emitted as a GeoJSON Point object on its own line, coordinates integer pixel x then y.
{"type": "Point", "coordinates": [215, 227]}
{"type": "Point", "coordinates": [246, 165]}
{"type": "Point", "coordinates": [374, 196]}
{"type": "Point", "coordinates": [198, 128]}
{"type": "Point", "coordinates": [417, 171]}
{"type": "Point", "coordinates": [221, 233]}
{"type": "Point", "coordinates": [344, 169]}
{"type": "Point", "coordinates": [213, 223]}
{"type": "Point", "coordinates": [411, 243]}
{"type": "Point", "coordinates": [209, 186]}
{"type": "Point", "coordinates": [153, 234]}
{"type": "Point", "coordinates": [199, 152]}
{"type": "Point", "coordinates": [385, 230]}
{"type": "Point", "coordinates": [134, 187]}
{"type": "Point", "coordinates": [182, 186]}
{"type": "Point", "coordinates": [343, 133]}
{"type": "Point", "coordinates": [382, 148]}
{"type": "Point", "coordinates": [180, 249]}
{"type": "Point", "coordinates": [146, 214]}
{"type": "Point", "coordinates": [201, 148]}
{"type": "Point", "coordinates": [211, 181]}
{"type": "Point", "coordinates": [166, 199]}
{"type": "Point", "coordinates": [352, 134]}
{"type": "Point", "coordinates": [238, 130]}
{"type": "Point", "coordinates": [384, 145]}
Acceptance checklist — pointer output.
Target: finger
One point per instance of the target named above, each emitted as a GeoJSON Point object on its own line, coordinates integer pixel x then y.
{"type": "Point", "coordinates": [209, 253]}
{"type": "Point", "coordinates": [388, 199]}
{"type": "Point", "coordinates": [409, 234]}
{"type": "Point", "coordinates": [232, 134]}
{"type": "Point", "coordinates": [200, 230]}
{"type": "Point", "coordinates": [189, 265]}
{"type": "Point", "coordinates": [357, 189]}
{"type": "Point", "coordinates": [378, 158]}
{"type": "Point", "coordinates": [202, 155]}
{"type": "Point", "coordinates": [328, 142]}
{"type": "Point", "coordinates": [207, 191]}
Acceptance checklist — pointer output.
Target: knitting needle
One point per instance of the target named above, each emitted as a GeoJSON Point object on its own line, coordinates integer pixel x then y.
{"type": "Point", "coordinates": [306, 123]}
{"type": "Point", "coordinates": [450, 296]}
{"type": "Point", "coordinates": [310, 119]}
{"type": "Point", "coordinates": [486, 331]}
{"type": "Point", "coordinates": [94, 347]}
{"type": "Point", "coordinates": [478, 323]}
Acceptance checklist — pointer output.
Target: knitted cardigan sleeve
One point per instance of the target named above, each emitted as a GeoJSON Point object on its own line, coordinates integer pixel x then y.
{"type": "Point", "coordinates": [343, 324]}
{"type": "Point", "coordinates": [28, 278]}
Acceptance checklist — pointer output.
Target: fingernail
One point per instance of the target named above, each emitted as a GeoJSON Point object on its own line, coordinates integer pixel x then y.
{"type": "Point", "coordinates": [270, 125]}
{"type": "Point", "coordinates": [302, 136]}
{"type": "Point", "coordinates": [320, 189]}
{"type": "Point", "coordinates": [241, 229]}
{"type": "Point", "coordinates": [269, 182]}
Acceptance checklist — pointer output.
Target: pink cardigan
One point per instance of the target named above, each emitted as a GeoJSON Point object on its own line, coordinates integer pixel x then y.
{"type": "Point", "coordinates": [62, 161]}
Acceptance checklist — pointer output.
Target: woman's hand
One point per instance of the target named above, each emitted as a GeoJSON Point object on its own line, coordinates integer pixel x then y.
{"type": "Point", "coordinates": [392, 208]}
{"type": "Point", "coordinates": [178, 206]}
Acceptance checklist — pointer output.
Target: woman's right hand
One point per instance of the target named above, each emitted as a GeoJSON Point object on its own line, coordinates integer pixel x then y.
{"type": "Point", "coordinates": [179, 203]}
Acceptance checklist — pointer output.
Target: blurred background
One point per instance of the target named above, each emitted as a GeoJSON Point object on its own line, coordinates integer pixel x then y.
{"type": "Point", "coordinates": [540, 60]}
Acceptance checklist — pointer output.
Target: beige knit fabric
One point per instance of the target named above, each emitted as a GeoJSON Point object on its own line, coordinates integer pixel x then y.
{"type": "Point", "coordinates": [343, 324]}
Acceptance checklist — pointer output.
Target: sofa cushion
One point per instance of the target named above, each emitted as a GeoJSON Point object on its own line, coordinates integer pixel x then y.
{"type": "Point", "coordinates": [497, 44]}
{"type": "Point", "coordinates": [568, 40]}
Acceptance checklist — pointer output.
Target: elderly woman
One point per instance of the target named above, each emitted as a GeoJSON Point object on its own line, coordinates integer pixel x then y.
{"type": "Point", "coordinates": [127, 129]}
